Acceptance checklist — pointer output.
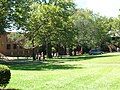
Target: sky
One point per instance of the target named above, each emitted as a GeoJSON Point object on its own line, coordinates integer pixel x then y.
{"type": "Point", "coordinates": [109, 8]}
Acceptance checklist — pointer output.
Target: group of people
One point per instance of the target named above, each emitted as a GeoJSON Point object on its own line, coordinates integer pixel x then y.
{"type": "Point", "coordinates": [40, 56]}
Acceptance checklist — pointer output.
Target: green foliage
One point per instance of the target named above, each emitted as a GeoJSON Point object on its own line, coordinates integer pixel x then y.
{"type": "Point", "coordinates": [57, 22]}
{"type": "Point", "coordinates": [48, 22]}
{"type": "Point", "coordinates": [14, 36]}
{"type": "Point", "coordinates": [45, 21]}
{"type": "Point", "coordinates": [19, 13]}
{"type": "Point", "coordinates": [92, 28]}
{"type": "Point", "coordinates": [4, 12]}
{"type": "Point", "coordinates": [5, 76]}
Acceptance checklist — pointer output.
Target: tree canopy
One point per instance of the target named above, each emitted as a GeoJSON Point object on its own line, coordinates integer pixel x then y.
{"type": "Point", "coordinates": [4, 14]}
{"type": "Point", "coordinates": [54, 23]}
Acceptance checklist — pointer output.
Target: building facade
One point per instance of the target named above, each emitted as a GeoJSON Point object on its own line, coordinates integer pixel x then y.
{"type": "Point", "coordinates": [12, 48]}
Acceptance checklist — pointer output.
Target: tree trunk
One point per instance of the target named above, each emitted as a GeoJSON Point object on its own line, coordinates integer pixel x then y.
{"type": "Point", "coordinates": [33, 51]}
{"type": "Point", "coordinates": [70, 51]}
{"type": "Point", "coordinates": [43, 55]}
{"type": "Point", "coordinates": [110, 49]}
{"type": "Point", "coordinates": [49, 50]}
{"type": "Point", "coordinates": [65, 51]}
{"type": "Point", "coordinates": [74, 52]}
{"type": "Point", "coordinates": [44, 50]}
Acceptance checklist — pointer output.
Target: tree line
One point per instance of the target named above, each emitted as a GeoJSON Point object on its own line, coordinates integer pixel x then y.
{"type": "Point", "coordinates": [57, 26]}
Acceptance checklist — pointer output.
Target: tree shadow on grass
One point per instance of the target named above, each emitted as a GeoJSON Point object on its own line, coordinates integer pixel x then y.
{"type": "Point", "coordinates": [51, 64]}
{"type": "Point", "coordinates": [39, 66]}
{"type": "Point", "coordinates": [86, 57]}
{"type": "Point", "coordinates": [10, 89]}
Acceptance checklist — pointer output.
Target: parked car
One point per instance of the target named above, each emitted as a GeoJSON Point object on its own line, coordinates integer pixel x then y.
{"type": "Point", "coordinates": [95, 52]}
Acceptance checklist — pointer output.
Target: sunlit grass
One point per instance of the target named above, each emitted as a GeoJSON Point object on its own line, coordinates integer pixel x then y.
{"type": "Point", "coordinates": [101, 72]}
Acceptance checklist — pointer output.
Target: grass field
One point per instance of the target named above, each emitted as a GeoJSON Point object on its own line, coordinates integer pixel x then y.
{"type": "Point", "coordinates": [98, 72]}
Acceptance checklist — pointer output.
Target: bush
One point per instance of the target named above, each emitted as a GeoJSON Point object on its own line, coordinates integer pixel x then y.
{"type": "Point", "coordinates": [5, 76]}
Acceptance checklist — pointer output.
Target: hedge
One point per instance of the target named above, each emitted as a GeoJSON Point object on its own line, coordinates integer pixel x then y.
{"type": "Point", "coordinates": [5, 76]}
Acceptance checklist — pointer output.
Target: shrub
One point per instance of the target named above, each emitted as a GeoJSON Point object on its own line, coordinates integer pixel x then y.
{"type": "Point", "coordinates": [5, 76]}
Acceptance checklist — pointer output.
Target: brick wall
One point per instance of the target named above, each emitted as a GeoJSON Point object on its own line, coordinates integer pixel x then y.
{"type": "Point", "coordinates": [12, 48]}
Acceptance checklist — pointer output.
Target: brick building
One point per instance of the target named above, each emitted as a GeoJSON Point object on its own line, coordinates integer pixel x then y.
{"type": "Point", "coordinates": [12, 48]}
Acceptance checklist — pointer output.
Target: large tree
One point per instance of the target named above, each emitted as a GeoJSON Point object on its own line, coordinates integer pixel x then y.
{"type": "Point", "coordinates": [92, 28]}
{"type": "Point", "coordinates": [4, 14]}
{"type": "Point", "coordinates": [46, 21]}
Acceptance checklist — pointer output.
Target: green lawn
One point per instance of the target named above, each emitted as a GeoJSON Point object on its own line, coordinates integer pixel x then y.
{"type": "Point", "coordinates": [101, 72]}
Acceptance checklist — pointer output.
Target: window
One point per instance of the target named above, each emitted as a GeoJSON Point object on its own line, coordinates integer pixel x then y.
{"type": "Point", "coordinates": [14, 46]}
{"type": "Point", "coordinates": [8, 46]}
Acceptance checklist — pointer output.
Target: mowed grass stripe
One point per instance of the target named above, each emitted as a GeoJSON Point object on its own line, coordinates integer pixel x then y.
{"type": "Point", "coordinates": [96, 73]}
{"type": "Point", "coordinates": [87, 81]}
{"type": "Point", "coordinates": [108, 81]}
{"type": "Point", "coordinates": [72, 78]}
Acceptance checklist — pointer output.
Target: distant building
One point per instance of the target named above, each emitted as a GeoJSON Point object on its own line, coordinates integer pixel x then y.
{"type": "Point", "coordinates": [12, 48]}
